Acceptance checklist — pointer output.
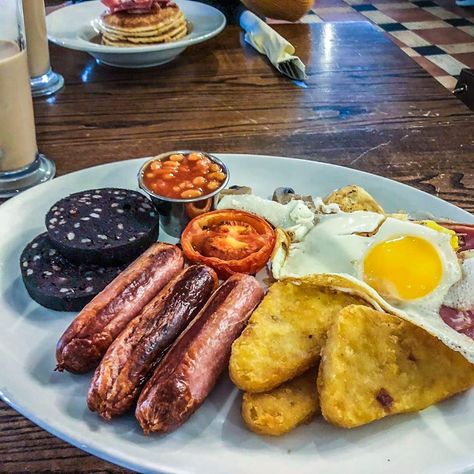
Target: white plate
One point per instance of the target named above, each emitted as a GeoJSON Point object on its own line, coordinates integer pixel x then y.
{"type": "Point", "coordinates": [74, 27]}
{"type": "Point", "coordinates": [214, 440]}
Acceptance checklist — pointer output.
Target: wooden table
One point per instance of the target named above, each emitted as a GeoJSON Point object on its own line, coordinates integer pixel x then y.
{"type": "Point", "coordinates": [366, 105]}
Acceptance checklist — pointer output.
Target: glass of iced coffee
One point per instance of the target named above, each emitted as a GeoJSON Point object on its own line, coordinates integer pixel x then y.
{"type": "Point", "coordinates": [44, 81]}
{"type": "Point", "coordinates": [21, 166]}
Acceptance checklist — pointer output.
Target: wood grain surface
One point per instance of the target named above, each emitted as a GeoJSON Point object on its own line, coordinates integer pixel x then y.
{"type": "Point", "coordinates": [366, 105]}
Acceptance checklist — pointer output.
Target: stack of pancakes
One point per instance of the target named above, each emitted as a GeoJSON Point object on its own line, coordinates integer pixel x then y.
{"type": "Point", "coordinates": [159, 25]}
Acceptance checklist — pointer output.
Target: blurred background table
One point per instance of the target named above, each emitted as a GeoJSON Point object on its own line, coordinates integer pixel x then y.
{"type": "Point", "coordinates": [366, 105]}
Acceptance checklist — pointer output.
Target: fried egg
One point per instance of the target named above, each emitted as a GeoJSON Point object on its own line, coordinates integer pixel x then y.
{"type": "Point", "coordinates": [409, 265]}
{"type": "Point", "coordinates": [406, 268]}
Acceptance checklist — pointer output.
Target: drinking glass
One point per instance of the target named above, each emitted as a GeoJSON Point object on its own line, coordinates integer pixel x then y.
{"type": "Point", "coordinates": [44, 81]}
{"type": "Point", "coordinates": [21, 166]}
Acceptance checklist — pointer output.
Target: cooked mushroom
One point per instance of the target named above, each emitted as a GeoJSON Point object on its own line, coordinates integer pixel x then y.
{"type": "Point", "coordinates": [284, 195]}
{"type": "Point", "coordinates": [233, 190]}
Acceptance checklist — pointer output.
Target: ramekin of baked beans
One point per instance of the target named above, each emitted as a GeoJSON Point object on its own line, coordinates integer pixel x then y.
{"type": "Point", "coordinates": [182, 185]}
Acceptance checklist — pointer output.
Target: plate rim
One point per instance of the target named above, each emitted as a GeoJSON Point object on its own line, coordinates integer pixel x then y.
{"type": "Point", "coordinates": [123, 459]}
{"type": "Point", "coordinates": [89, 47]}
{"type": "Point", "coordinates": [222, 156]}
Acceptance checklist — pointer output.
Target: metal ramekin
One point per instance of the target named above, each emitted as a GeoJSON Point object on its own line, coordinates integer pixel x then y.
{"type": "Point", "coordinates": [176, 213]}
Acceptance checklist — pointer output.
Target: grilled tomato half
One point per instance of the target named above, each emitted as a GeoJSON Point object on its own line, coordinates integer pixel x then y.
{"type": "Point", "coordinates": [229, 241]}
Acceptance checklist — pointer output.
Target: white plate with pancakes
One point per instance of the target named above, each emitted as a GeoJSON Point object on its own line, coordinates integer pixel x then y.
{"type": "Point", "coordinates": [214, 440]}
{"type": "Point", "coordinates": [134, 42]}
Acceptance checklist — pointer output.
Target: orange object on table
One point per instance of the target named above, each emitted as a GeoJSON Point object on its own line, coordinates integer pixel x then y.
{"type": "Point", "coordinates": [229, 241]}
{"type": "Point", "coordinates": [183, 176]}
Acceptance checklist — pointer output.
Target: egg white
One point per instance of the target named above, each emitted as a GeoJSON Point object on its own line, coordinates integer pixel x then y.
{"type": "Point", "coordinates": [461, 295]}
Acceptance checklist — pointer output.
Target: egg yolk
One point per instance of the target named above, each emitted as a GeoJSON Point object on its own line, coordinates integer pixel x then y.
{"type": "Point", "coordinates": [403, 268]}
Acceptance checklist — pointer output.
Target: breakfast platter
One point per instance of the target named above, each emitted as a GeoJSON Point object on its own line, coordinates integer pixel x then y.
{"type": "Point", "coordinates": [118, 41]}
{"type": "Point", "coordinates": [332, 296]}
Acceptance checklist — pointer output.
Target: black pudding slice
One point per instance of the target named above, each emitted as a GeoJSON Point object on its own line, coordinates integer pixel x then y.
{"type": "Point", "coordinates": [103, 226]}
{"type": "Point", "coordinates": [56, 283]}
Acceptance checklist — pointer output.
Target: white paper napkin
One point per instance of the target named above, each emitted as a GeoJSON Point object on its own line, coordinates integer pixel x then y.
{"type": "Point", "coordinates": [278, 50]}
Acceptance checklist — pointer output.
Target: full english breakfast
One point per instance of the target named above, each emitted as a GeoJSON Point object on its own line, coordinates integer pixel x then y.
{"type": "Point", "coordinates": [365, 313]}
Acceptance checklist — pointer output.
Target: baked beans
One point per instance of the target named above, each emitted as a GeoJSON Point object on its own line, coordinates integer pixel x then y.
{"type": "Point", "coordinates": [185, 176]}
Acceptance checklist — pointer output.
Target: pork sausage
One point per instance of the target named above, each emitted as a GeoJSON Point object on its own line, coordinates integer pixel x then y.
{"type": "Point", "coordinates": [192, 366]}
{"type": "Point", "coordinates": [133, 356]}
{"type": "Point", "coordinates": [88, 337]}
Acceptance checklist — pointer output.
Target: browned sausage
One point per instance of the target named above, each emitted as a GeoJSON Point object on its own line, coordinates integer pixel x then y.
{"type": "Point", "coordinates": [192, 366]}
{"type": "Point", "coordinates": [133, 356]}
{"type": "Point", "coordinates": [88, 337]}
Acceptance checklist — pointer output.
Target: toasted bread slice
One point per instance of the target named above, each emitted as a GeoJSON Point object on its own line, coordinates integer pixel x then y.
{"type": "Point", "coordinates": [375, 365]}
